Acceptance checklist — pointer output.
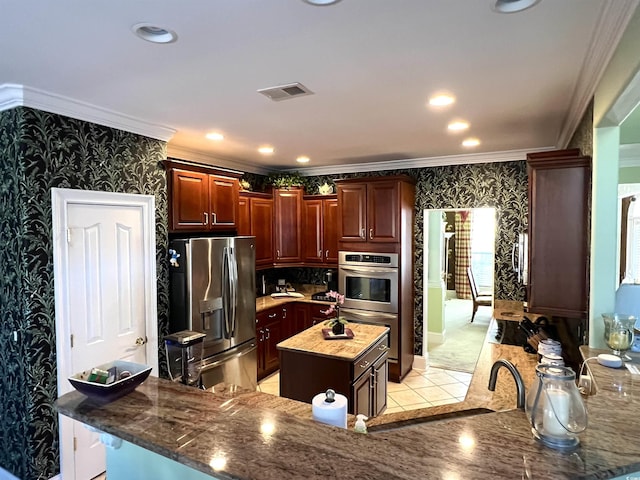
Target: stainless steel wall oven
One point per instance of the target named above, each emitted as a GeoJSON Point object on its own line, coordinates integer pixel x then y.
{"type": "Point", "coordinates": [369, 282]}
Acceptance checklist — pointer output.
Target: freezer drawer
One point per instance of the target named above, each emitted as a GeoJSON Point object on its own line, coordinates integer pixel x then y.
{"type": "Point", "coordinates": [238, 366]}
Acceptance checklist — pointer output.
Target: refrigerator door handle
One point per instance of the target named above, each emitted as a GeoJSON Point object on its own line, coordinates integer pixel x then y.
{"type": "Point", "coordinates": [225, 292]}
{"type": "Point", "coordinates": [233, 288]}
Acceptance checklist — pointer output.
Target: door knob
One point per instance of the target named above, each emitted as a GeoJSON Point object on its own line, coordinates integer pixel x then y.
{"type": "Point", "coordinates": [141, 341]}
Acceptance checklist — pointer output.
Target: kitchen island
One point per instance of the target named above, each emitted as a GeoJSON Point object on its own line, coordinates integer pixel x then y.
{"type": "Point", "coordinates": [239, 435]}
{"type": "Point", "coordinates": [354, 367]}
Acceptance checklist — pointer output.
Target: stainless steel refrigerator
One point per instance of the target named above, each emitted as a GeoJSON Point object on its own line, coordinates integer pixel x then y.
{"type": "Point", "coordinates": [212, 290]}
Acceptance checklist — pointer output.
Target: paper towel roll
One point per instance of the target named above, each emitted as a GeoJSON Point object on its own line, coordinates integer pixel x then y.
{"type": "Point", "coordinates": [331, 413]}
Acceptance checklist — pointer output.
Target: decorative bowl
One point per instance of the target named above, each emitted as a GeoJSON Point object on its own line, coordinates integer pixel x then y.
{"type": "Point", "coordinates": [117, 389]}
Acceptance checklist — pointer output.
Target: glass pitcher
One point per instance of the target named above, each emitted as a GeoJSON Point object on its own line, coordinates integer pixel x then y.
{"type": "Point", "coordinates": [555, 408]}
{"type": "Point", "coordinates": [618, 332]}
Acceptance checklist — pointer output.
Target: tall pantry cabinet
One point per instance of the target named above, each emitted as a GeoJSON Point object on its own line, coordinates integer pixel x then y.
{"type": "Point", "coordinates": [376, 215]}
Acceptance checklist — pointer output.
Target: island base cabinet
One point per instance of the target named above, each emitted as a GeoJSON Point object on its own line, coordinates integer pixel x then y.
{"type": "Point", "coordinates": [369, 392]}
{"type": "Point", "coordinates": [363, 380]}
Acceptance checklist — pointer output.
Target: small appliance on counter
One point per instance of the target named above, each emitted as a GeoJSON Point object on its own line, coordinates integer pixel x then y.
{"type": "Point", "coordinates": [184, 356]}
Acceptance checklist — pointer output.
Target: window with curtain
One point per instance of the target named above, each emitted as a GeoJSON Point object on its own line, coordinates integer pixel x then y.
{"type": "Point", "coordinates": [482, 246]}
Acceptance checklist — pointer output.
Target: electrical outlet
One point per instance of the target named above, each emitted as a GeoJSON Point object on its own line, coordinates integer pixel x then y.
{"type": "Point", "coordinates": [585, 384]}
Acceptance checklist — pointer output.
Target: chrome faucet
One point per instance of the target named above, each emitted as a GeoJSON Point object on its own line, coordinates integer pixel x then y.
{"type": "Point", "coordinates": [516, 376]}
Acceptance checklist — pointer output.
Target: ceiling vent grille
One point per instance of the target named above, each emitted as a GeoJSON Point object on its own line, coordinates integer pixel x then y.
{"type": "Point", "coordinates": [284, 92]}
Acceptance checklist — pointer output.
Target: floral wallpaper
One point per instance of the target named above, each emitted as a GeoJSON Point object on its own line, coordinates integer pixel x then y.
{"type": "Point", "coordinates": [38, 151]}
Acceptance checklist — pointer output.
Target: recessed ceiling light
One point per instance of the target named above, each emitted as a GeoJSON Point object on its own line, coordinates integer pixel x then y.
{"type": "Point", "coordinates": [512, 6]}
{"type": "Point", "coordinates": [441, 100]}
{"type": "Point", "coordinates": [321, 2]}
{"type": "Point", "coordinates": [154, 33]}
{"type": "Point", "coordinates": [266, 150]}
{"type": "Point", "coordinates": [302, 159]}
{"type": "Point", "coordinates": [458, 126]}
{"type": "Point", "coordinates": [470, 142]}
{"type": "Point", "coordinates": [216, 136]}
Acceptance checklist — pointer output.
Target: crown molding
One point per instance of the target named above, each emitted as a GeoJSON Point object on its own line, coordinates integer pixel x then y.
{"type": "Point", "coordinates": [189, 154]}
{"type": "Point", "coordinates": [489, 157]}
{"type": "Point", "coordinates": [612, 23]}
{"type": "Point", "coordinates": [629, 155]}
{"type": "Point", "coordinates": [12, 95]}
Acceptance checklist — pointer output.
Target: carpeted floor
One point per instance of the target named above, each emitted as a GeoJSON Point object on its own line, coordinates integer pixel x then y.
{"type": "Point", "coordinates": [463, 340]}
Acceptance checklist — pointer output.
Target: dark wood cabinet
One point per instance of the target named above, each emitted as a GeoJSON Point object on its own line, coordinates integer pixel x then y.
{"type": "Point", "coordinates": [270, 330]}
{"type": "Point", "coordinates": [189, 200]}
{"type": "Point", "coordinates": [377, 214]}
{"type": "Point", "coordinates": [363, 379]}
{"type": "Point", "coordinates": [202, 199]}
{"type": "Point", "coordinates": [352, 214]}
{"type": "Point", "coordinates": [371, 213]}
{"type": "Point", "coordinates": [559, 183]}
{"type": "Point", "coordinates": [256, 218]}
{"type": "Point", "coordinates": [369, 391]}
{"type": "Point", "coordinates": [223, 202]}
{"type": "Point", "coordinates": [287, 225]}
{"type": "Point", "coordinates": [319, 220]}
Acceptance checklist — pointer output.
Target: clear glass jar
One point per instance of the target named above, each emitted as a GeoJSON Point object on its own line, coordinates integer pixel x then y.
{"type": "Point", "coordinates": [555, 408]}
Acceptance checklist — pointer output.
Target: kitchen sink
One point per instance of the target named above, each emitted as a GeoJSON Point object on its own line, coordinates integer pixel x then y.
{"type": "Point", "coordinates": [439, 417]}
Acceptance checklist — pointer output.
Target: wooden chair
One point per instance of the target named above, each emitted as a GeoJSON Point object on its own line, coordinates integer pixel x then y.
{"type": "Point", "coordinates": [480, 299]}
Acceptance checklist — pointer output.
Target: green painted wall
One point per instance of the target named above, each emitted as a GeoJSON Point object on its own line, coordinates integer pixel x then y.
{"type": "Point", "coordinates": [629, 175]}
{"type": "Point", "coordinates": [131, 462]}
{"type": "Point", "coordinates": [620, 72]}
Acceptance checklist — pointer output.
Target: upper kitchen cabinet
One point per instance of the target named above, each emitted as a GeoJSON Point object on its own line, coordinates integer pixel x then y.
{"type": "Point", "coordinates": [559, 183]}
{"type": "Point", "coordinates": [372, 212]}
{"type": "Point", "coordinates": [320, 230]}
{"type": "Point", "coordinates": [202, 199]}
{"type": "Point", "coordinates": [256, 218]}
{"type": "Point", "coordinates": [287, 226]}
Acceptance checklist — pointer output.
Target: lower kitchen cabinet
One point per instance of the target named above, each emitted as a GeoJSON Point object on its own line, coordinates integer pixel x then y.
{"type": "Point", "coordinates": [369, 391]}
{"type": "Point", "coordinates": [362, 378]}
{"type": "Point", "coordinates": [270, 330]}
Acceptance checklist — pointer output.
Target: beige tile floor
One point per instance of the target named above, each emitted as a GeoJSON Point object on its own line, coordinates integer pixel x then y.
{"type": "Point", "coordinates": [420, 389]}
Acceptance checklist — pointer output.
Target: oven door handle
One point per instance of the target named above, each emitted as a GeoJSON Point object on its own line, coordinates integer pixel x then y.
{"type": "Point", "coordinates": [368, 315]}
{"type": "Point", "coordinates": [369, 270]}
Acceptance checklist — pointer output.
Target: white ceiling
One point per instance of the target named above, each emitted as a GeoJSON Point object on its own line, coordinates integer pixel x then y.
{"type": "Point", "coordinates": [522, 80]}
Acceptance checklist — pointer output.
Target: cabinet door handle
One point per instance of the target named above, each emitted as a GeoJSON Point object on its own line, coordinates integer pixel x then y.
{"type": "Point", "coordinates": [277, 253]}
{"type": "Point", "coordinates": [326, 254]}
{"type": "Point", "coordinates": [272, 315]}
{"type": "Point", "coordinates": [365, 364]}
{"type": "Point", "coordinates": [362, 235]}
{"type": "Point", "coordinates": [268, 333]}
{"type": "Point", "coordinates": [372, 383]}
{"type": "Point", "coordinates": [261, 332]}
{"type": "Point", "coordinates": [320, 253]}
{"type": "Point", "coordinates": [371, 234]}
{"type": "Point", "coordinates": [284, 313]}
{"type": "Point", "coordinates": [214, 218]}
{"type": "Point", "coordinates": [206, 218]}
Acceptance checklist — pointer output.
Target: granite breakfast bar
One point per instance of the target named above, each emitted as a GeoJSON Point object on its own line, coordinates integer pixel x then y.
{"type": "Point", "coordinates": [249, 435]}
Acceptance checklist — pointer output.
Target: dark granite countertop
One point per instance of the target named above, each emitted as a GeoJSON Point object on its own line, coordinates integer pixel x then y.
{"type": "Point", "coordinates": [185, 424]}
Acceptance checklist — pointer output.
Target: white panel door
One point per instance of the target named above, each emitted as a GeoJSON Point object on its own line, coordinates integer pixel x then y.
{"type": "Point", "coordinates": [106, 288]}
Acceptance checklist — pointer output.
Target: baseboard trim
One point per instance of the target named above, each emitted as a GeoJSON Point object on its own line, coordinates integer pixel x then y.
{"type": "Point", "coordinates": [436, 337]}
{"type": "Point", "coordinates": [4, 475]}
{"type": "Point", "coordinates": [421, 362]}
